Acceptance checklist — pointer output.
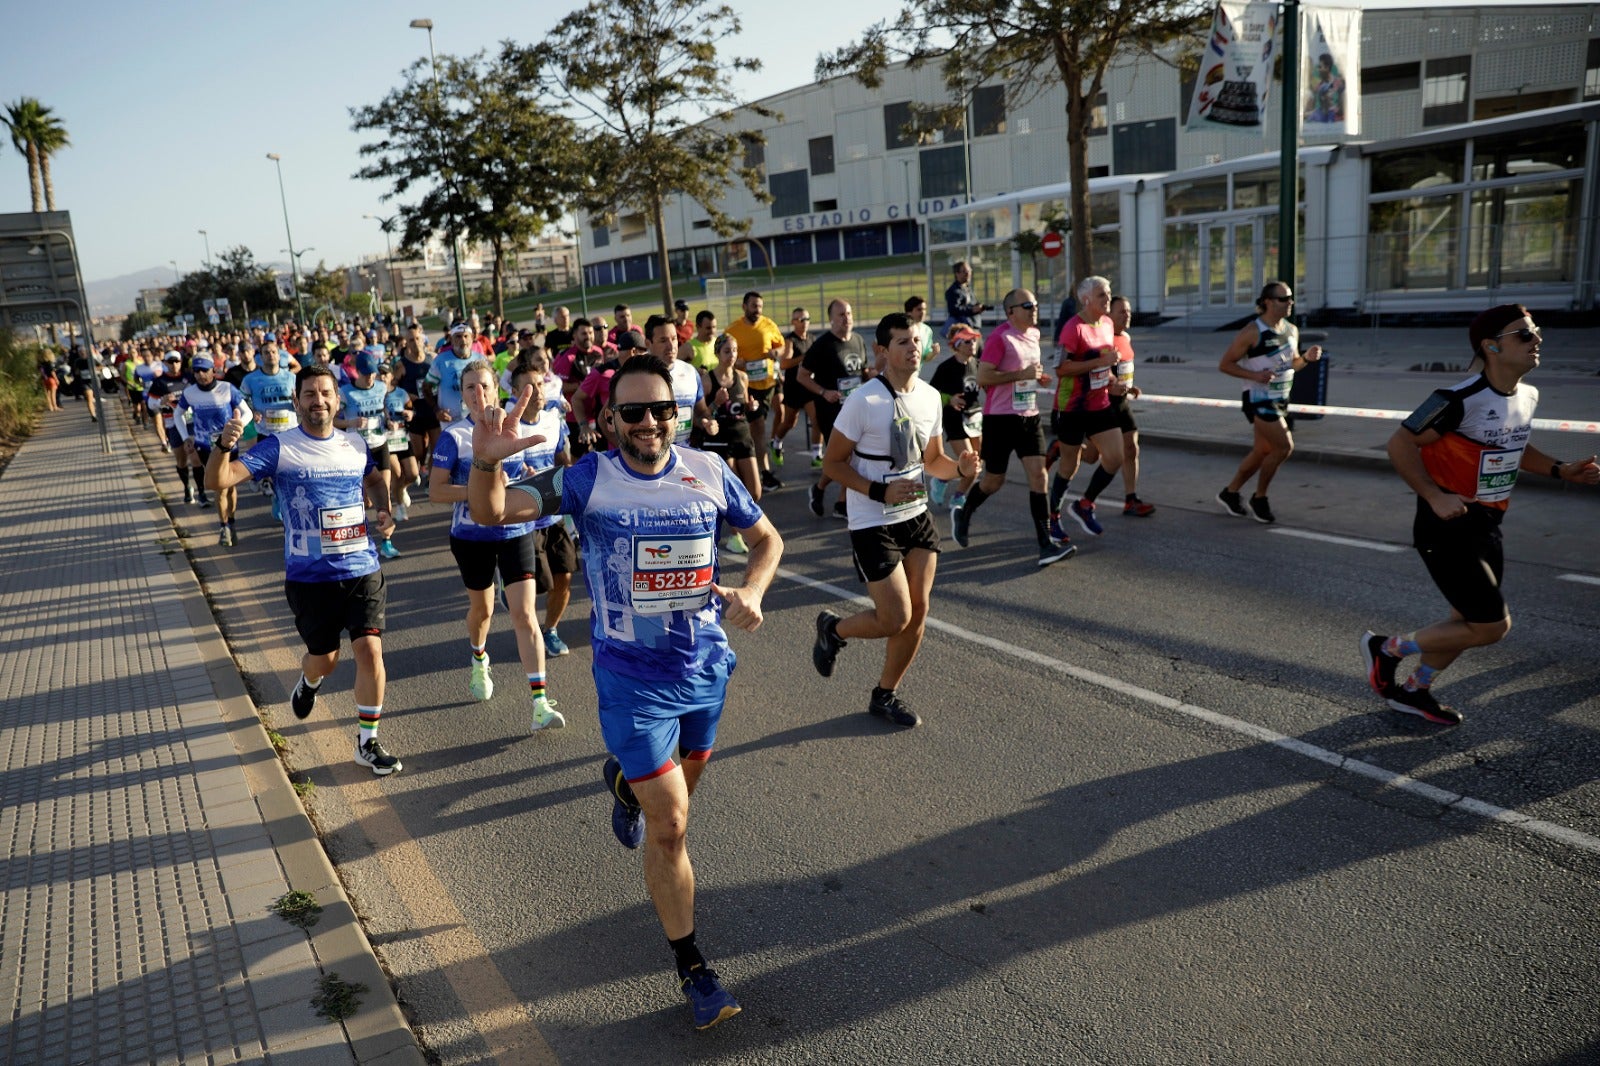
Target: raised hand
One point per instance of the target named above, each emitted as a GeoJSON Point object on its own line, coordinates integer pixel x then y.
{"type": "Point", "coordinates": [495, 436]}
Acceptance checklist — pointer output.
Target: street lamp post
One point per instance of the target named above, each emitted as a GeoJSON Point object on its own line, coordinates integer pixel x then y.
{"type": "Point", "coordinates": [387, 225]}
{"type": "Point", "coordinates": [176, 277]}
{"type": "Point", "coordinates": [455, 241]}
{"type": "Point", "coordinates": [207, 238]}
{"type": "Point", "coordinates": [294, 257]}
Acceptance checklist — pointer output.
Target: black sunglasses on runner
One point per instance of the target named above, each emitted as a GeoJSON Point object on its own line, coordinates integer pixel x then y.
{"type": "Point", "coordinates": [1525, 335]}
{"type": "Point", "coordinates": [633, 413]}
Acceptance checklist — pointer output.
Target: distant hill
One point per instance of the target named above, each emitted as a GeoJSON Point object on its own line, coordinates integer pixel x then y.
{"type": "Point", "coordinates": [115, 296]}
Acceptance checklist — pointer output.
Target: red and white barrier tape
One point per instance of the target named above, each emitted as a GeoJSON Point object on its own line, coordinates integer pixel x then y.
{"type": "Point", "coordinates": [1559, 425]}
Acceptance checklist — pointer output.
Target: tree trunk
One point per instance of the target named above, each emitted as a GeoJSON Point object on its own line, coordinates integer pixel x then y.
{"type": "Point", "coordinates": [35, 180]}
{"type": "Point", "coordinates": [1078, 196]}
{"type": "Point", "coordinates": [658, 220]}
{"type": "Point", "coordinates": [49, 186]}
{"type": "Point", "coordinates": [499, 278]}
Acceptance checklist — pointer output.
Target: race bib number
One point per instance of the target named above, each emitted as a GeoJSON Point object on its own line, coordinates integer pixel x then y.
{"type": "Point", "coordinates": [899, 511]}
{"type": "Point", "coordinates": [1100, 379]}
{"type": "Point", "coordinates": [274, 422]}
{"type": "Point", "coordinates": [1497, 473]}
{"type": "Point", "coordinates": [672, 573]}
{"type": "Point", "coordinates": [1025, 396]}
{"type": "Point", "coordinates": [398, 438]}
{"type": "Point", "coordinates": [685, 423]}
{"type": "Point", "coordinates": [1125, 372]}
{"type": "Point", "coordinates": [343, 529]}
{"type": "Point", "coordinates": [758, 372]}
{"type": "Point", "coordinates": [1278, 387]}
{"type": "Point", "coordinates": [373, 431]}
{"type": "Point", "coordinates": [847, 386]}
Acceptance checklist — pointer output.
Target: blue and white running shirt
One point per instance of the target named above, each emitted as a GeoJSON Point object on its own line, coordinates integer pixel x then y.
{"type": "Point", "coordinates": [210, 410]}
{"type": "Point", "coordinates": [319, 487]}
{"type": "Point", "coordinates": [272, 397]}
{"type": "Point", "coordinates": [649, 547]}
{"type": "Point", "coordinates": [454, 453]}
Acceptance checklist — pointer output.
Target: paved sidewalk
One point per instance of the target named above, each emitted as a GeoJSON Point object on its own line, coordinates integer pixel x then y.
{"type": "Point", "coordinates": [148, 825]}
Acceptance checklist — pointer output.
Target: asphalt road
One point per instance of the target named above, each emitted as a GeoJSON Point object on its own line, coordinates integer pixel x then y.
{"type": "Point", "coordinates": [1058, 867]}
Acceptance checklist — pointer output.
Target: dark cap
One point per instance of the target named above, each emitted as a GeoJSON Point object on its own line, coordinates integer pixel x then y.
{"type": "Point", "coordinates": [680, 305]}
{"type": "Point", "coordinates": [631, 338]}
{"type": "Point", "coordinates": [365, 362]}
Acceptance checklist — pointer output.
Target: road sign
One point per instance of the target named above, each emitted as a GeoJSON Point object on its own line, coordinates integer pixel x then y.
{"type": "Point", "coordinates": [1051, 245]}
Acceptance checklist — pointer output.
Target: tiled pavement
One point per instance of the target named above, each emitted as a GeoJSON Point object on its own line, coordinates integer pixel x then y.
{"type": "Point", "coordinates": [148, 827]}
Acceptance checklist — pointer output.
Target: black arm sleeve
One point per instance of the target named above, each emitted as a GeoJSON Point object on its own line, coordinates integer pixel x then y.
{"type": "Point", "coordinates": [1441, 411]}
{"type": "Point", "coordinates": [545, 488]}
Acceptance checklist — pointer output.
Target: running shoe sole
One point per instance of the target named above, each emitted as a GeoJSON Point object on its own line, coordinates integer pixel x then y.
{"type": "Point", "coordinates": [301, 700]}
{"type": "Point", "coordinates": [1057, 554]}
{"type": "Point", "coordinates": [1090, 524]}
{"type": "Point", "coordinates": [1444, 715]}
{"type": "Point", "coordinates": [1372, 653]}
{"type": "Point", "coordinates": [1228, 505]}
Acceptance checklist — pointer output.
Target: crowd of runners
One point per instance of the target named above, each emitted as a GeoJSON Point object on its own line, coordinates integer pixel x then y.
{"type": "Point", "coordinates": [638, 454]}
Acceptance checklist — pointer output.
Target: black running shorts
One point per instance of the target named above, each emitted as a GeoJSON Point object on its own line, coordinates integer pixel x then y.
{"type": "Point", "coordinates": [1075, 427]}
{"type": "Point", "coordinates": [516, 559]}
{"type": "Point", "coordinates": [1004, 435]}
{"type": "Point", "coordinates": [555, 554]}
{"type": "Point", "coordinates": [1465, 558]}
{"type": "Point", "coordinates": [322, 609]}
{"type": "Point", "coordinates": [1124, 411]}
{"type": "Point", "coordinates": [878, 550]}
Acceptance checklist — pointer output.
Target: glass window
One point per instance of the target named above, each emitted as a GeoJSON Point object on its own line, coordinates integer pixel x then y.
{"type": "Point", "coordinates": [1097, 117]}
{"type": "Point", "coordinates": [826, 205]}
{"type": "Point", "coordinates": [632, 226]}
{"type": "Point", "coordinates": [601, 235]}
{"type": "Point", "coordinates": [1523, 234]}
{"type": "Point", "coordinates": [1398, 78]}
{"type": "Point", "coordinates": [989, 110]}
{"type": "Point", "coordinates": [1591, 73]}
{"type": "Point", "coordinates": [791, 193]}
{"type": "Point", "coordinates": [1259, 188]}
{"type": "Point", "coordinates": [899, 126]}
{"type": "Point", "coordinates": [1183, 261]}
{"type": "Point", "coordinates": [755, 152]}
{"type": "Point", "coordinates": [942, 171]}
{"type": "Point", "coordinates": [1104, 209]}
{"type": "Point", "coordinates": [1197, 197]}
{"type": "Point", "coordinates": [821, 155]}
{"type": "Point", "coordinates": [947, 230]}
{"type": "Point", "coordinates": [991, 225]}
{"type": "Point", "coordinates": [1445, 89]}
{"type": "Point", "coordinates": [1421, 168]}
{"type": "Point", "coordinates": [1145, 147]}
{"type": "Point", "coordinates": [1531, 152]}
{"type": "Point", "coordinates": [866, 242]}
{"type": "Point", "coordinates": [1412, 243]}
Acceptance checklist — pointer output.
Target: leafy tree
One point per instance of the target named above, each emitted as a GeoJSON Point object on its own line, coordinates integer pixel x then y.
{"type": "Point", "coordinates": [137, 321]}
{"type": "Point", "coordinates": [323, 285]}
{"type": "Point", "coordinates": [649, 76]}
{"type": "Point", "coordinates": [1030, 46]}
{"type": "Point", "coordinates": [38, 134]}
{"type": "Point", "coordinates": [233, 275]}
{"type": "Point", "coordinates": [489, 161]}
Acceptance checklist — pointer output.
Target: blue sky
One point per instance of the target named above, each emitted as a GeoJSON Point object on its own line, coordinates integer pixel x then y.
{"type": "Point", "coordinates": [173, 107]}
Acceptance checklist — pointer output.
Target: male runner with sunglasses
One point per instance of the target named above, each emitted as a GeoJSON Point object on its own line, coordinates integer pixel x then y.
{"type": "Point", "coordinates": [650, 515]}
{"type": "Point", "coordinates": [1461, 452]}
{"type": "Point", "coordinates": [1266, 353]}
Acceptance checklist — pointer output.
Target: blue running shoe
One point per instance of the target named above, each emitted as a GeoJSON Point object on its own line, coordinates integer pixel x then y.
{"type": "Point", "coordinates": [553, 644]}
{"type": "Point", "coordinates": [1082, 512]}
{"type": "Point", "coordinates": [937, 490]}
{"type": "Point", "coordinates": [1058, 535]}
{"type": "Point", "coordinates": [711, 1002]}
{"type": "Point", "coordinates": [387, 549]}
{"type": "Point", "coordinates": [627, 819]}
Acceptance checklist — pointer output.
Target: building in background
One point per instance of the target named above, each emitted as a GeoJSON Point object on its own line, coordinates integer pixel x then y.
{"type": "Point", "coordinates": [1470, 176]}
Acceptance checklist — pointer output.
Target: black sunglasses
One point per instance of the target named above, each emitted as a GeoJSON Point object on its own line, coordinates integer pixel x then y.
{"type": "Point", "coordinates": [633, 413]}
{"type": "Point", "coordinates": [1525, 335]}
{"type": "Point", "coordinates": [1282, 299]}
{"type": "Point", "coordinates": [1023, 307]}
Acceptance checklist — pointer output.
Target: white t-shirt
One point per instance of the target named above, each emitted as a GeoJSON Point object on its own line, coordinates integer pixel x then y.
{"type": "Point", "coordinates": [866, 418]}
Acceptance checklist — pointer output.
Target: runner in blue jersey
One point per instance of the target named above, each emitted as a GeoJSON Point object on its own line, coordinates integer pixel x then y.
{"type": "Point", "coordinates": [650, 515]}
{"type": "Point", "coordinates": [269, 389]}
{"type": "Point", "coordinates": [481, 551]}
{"type": "Point", "coordinates": [365, 409]}
{"type": "Point", "coordinates": [331, 575]}
{"type": "Point", "coordinates": [444, 377]}
{"type": "Point", "coordinates": [210, 403]}
{"type": "Point", "coordinates": [397, 410]}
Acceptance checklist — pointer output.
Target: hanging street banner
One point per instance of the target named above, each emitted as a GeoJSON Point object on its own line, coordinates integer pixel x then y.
{"type": "Point", "coordinates": [1230, 89]}
{"type": "Point", "coordinates": [285, 287]}
{"type": "Point", "coordinates": [1330, 71]}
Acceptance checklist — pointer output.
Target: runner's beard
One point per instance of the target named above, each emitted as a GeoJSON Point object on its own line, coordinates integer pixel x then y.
{"type": "Point", "coordinates": [631, 447]}
{"type": "Point", "coordinates": [318, 422]}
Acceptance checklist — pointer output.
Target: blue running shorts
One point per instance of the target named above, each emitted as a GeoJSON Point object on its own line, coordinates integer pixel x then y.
{"type": "Point", "coordinates": [646, 723]}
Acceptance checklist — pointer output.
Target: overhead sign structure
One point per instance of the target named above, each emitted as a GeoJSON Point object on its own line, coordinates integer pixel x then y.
{"type": "Point", "coordinates": [40, 283]}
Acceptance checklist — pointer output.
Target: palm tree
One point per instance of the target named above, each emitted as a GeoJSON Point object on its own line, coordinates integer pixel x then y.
{"type": "Point", "coordinates": [38, 134]}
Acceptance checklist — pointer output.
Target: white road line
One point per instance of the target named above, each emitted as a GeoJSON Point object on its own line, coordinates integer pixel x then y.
{"type": "Point", "coordinates": [1582, 579]}
{"type": "Point", "coordinates": [1329, 538]}
{"type": "Point", "coordinates": [1405, 783]}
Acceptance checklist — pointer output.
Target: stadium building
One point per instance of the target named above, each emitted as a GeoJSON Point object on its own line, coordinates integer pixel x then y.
{"type": "Point", "coordinates": [1470, 180]}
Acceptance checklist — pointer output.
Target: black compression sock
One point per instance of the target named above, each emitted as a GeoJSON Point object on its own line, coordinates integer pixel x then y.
{"type": "Point", "coordinates": [1098, 483]}
{"type": "Point", "coordinates": [975, 498]}
{"type": "Point", "coordinates": [1041, 517]}
{"type": "Point", "coordinates": [687, 954]}
{"type": "Point", "coordinates": [183, 475]}
{"type": "Point", "coordinates": [1059, 486]}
